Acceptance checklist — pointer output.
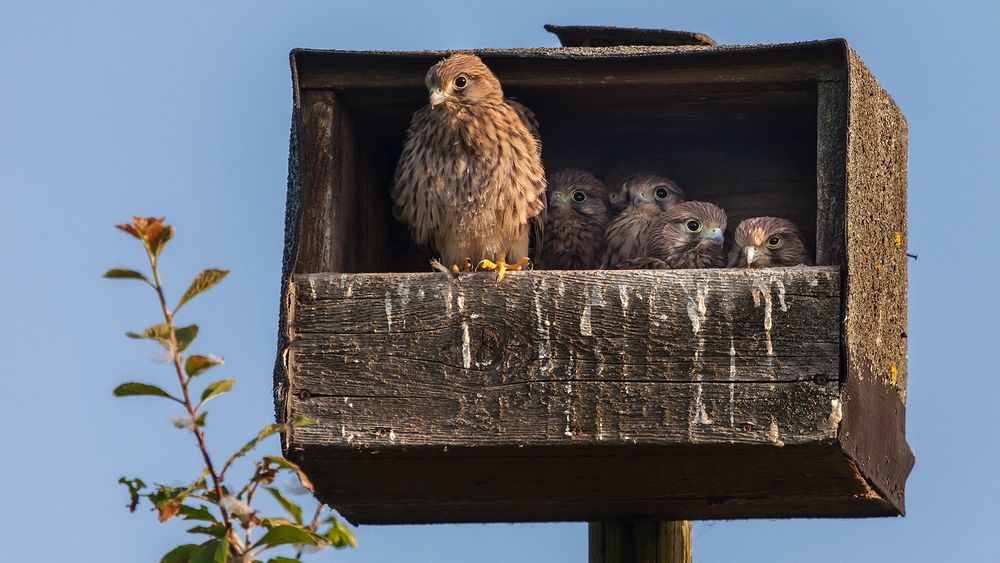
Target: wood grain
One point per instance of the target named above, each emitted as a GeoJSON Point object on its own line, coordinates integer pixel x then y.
{"type": "Point", "coordinates": [420, 375]}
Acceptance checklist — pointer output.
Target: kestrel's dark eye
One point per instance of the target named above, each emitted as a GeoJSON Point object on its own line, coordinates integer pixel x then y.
{"type": "Point", "coordinates": [693, 225]}
{"type": "Point", "coordinates": [774, 242]}
{"type": "Point", "coordinates": [579, 196]}
{"type": "Point", "coordinates": [661, 193]}
{"type": "Point", "coordinates": [461, 81]}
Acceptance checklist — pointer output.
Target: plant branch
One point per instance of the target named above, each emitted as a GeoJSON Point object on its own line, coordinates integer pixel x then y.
{"type": "Point", "coordinates": [313, 526]}
{"type": "Point", "coordinates": [192, 412]}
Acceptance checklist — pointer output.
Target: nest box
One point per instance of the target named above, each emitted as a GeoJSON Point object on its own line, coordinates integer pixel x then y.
{"type": "Point", "coordinates": [598, 395]}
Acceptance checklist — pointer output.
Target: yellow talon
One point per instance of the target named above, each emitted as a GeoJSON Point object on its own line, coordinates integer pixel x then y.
{"type": "Point", "coordinates": [501, 265]}
{"type": "Point", "coordinates": [465, 267]}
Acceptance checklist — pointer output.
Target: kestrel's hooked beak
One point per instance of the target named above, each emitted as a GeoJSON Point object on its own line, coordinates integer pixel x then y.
{"type": "Point", "coordinates": [437, 96]}
{"type": "Point", "coordinates": [559, 198]}
{"type": "Point", "coordinates": [639, 198]}
{"type": "Point", "coordinates": [752, 254]}
{"type": "Point", "coordinates": [715, 235]}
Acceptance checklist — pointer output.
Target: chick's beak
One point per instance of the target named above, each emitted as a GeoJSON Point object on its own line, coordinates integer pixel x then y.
{"type": "Point", "coordinates": [437, 96]}
{"type": "Point", "coordinates": [751, 253]}
{"type": "Point", "coordinates": [715, 235]}
{"type": "Point", "coordinates": [559, 198]}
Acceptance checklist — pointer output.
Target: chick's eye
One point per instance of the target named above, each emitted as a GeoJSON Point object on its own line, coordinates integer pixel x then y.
{"type": "Point", "coordinates": [613, 196]}
{"type": "Point", "coordinates": [773, 242]}
{"type": "Point", "coordinates": [579, 196]}
{"type": "Point", "coordinates": [461, 81]}
{"type": "Point", "coordinates": [693, 225]}
{"type": "Point", "coordinates": [661, 193]}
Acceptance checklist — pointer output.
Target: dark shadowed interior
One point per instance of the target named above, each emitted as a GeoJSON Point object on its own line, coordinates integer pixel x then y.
{"type": "Point", "coordinates": [732, 132]}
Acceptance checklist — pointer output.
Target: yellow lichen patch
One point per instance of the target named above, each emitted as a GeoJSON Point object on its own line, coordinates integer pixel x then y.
{"type": "Point", "coordinates": [899, 239]}
{"type": "Point", "coordinates": [893, 375]}
{"type": "Point", "coordinates": [878, 266]}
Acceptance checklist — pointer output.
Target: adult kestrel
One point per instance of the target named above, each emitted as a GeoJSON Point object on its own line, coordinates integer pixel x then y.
{"type": "Point", "coordinates": [470, 181]}
{"type": "Point", "coordinates": [688, 235]}
{"type": "Point", "coordinates": [763, 242]}
{"type": "Point", "coordinates": [648, 196]}
{"type": "Point", "coordinates": [575, 222]}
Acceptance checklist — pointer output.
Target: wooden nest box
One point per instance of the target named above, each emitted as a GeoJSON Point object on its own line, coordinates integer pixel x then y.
{"type": "Point", "coordinates": [560, 395]}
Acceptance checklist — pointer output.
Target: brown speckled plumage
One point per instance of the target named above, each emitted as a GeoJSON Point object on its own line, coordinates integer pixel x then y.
{"type": "Point", "coordinates": [763, 242]}
{"type": "Point", "coordinates": [626, 235]}
{"type": "Point", "coordinates": [574, 230]}
{"type": "Point", "coordinates": [470, 181]}
{"type": "Point", "coordinates": [672, 240]}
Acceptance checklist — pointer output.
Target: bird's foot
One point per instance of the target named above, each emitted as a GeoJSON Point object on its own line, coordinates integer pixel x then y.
{"type": "Point", "coordinates": [465, 267]}
{"type": "Point", "coordinates": [453, 269]}
{"type": "Point", "coordinates": [502, 267]}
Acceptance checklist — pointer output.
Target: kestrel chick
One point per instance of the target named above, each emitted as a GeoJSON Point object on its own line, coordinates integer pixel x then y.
{"type": "Point", "coordinates": [689, 235]}
{"type": "Point", "coordinates": [763, 242]}
{"type": "Point", "coordinates": [648, 196]}
{"type": "Point", "coordinates": [470, 181]}
{"type": "Point", "coordinates": [575, 222]}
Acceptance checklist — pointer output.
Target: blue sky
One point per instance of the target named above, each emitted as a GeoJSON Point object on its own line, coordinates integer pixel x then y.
{"type": "Point", "coordinates": [115, 108]}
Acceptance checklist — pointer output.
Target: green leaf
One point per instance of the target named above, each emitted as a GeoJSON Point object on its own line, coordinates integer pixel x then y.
{"type": "Point", "coordinates": [161, 333]}
{"type": "Point", "coordinates": [267, 431]}
{"type": "Point", "coordinates": [283, 535]}
{"type": "Point", "coordinates": [180, 554]}
{"type": "Point", "coordinates": [217, 388]}
{"type": "Point", "coordinates": [285, 464]}
{"type": "Point", "coordinates": [126, 274]}
{"type": "Point", "coordinates": [196, 365]}
{"type": "Point", "coordinates": [275, 522]}
{"type": "Point", "coordinates": [304, 421]}
{"type": "Point", "coordinates": [214, 551]}
{"type": "Point", "coordinates": [197, 513]}
{"type": "Point", "coordinates": [282, 559]}
{"type": "Point", "coordinates": [185, 336]}
{"type": "Point", "coordinates": [137, 388]}
{"type": "Point", "coordinates": [200, 421]}
{"type": "Point", "coordinates": [135, 487]}
{"type": "Point", "coordinates": [289, 506]}
{"type": "Point", "coordinates": [202, 282]}
{"type": "Point", "coordinates": [216, 530]}
{"type": "Point", "coordinates": [339, 535]}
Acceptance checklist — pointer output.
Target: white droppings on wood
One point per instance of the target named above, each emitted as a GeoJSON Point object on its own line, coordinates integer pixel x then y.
{"type": "Point", "coordinates": [447, 299]}
{"type": "Point", "coordinates": [833, 421]}
{"type": "Point", "coordinates": [697, 311]}
{"type": "Point", "coordinates": [312, 287]}
{"type": "Point", "coordinates": [350, 289]}
{"type": "Point", "coordinates": [773, 434]}
{"type": "Point", "coordinates": [343, 430]}
{"type": "Point", "coordinates": [461, 303]}
{"type": "Point", "coordinates": [561, 288]}
{"type": "Point", "coordinates": [585, 328]}
{"type": "Point", "coordinates": [623, 296]}
{"type": "Point", "coordinates": [814, 282]}
{"type": "Point", "coordinates": [392, 435]}
{"type": "Point", "coordinates": [567, 432]}
{"type": "Point", "coordinates": [388, 311]}
{"type": "Point", "coordinates": [732, 382]}
{"type": "Point", "coordinates": [781, 294]}
{"type": "Point", "coordinates": [466, 347]}
{"type": "Point", "coordinates": [761, 289]}
{"type": "Point", "coordinates": [542, 330]}
{"type": "Point", "coordinates": [420, 294]}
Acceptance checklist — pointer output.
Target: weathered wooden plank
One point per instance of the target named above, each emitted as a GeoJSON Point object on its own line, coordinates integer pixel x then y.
{"type": "Point", "coordinates": [875, 300]}
{"type": "Point", "coordinates": [581, 65]}
{"type": "Point", "coordinates": [663, 357]}
{"type": "Point", "coordinates": [583, 483]}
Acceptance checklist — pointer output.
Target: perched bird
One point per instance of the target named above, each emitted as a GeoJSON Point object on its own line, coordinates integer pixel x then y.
{"type": "Point", "coordinates": [575, 222]}
{"type": "Point", "coordinates": [763, 242]}
{"type": "Point", "coordinates": [648, 196]}
{"type": "Point", "coordinates": [470, 181]}
{"type": "Point", "coordinates": [689, 235]}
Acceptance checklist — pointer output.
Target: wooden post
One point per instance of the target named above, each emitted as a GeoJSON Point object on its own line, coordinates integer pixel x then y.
{"type": "Point", "coordinates": [640, 541]}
